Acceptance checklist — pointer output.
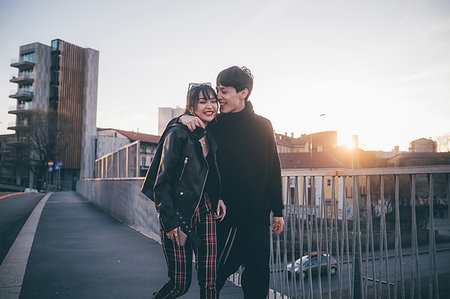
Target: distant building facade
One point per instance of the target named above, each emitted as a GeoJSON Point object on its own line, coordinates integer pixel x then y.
{"type": "Point", "coordinates": [165, 114]}
{"type": "Point", "coordinates": [423, 145]}
{"type": "Point", "coordinates": [7, 160]}
{"type": "Point", "coordinates": [316, 142]}
{"type": "Point", "coordinates": [123, 153]}
{"type": "Point", "coordinates": [60, 79]}
{"type": "Point", "coordinates": [419, 159]}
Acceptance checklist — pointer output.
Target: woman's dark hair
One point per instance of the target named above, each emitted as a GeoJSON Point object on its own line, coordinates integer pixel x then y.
{"type": "Point", "coordinates": [237, 77]}
{"type": "Point", "coordinates": [194, 93]}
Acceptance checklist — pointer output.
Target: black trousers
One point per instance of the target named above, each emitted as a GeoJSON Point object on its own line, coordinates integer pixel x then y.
{"type": "Point", "coordinates": [249, 247]}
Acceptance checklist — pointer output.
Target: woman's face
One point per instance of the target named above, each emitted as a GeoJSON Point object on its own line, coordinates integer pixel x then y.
{"type": "Point", "coordinates": [206, 109]}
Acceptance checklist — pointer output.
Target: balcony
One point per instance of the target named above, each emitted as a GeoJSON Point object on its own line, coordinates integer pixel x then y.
{"type": "Point", "coordinates": [19, 142]}
{"type": "Point", "coordinates": [21, 94]}
{"type": "Point", "coordinates": [22, 79]}
{"type": "Point", "coordinates": [20, 108]}
{"type": "Point", "coordinates": [22, 64]}
{"type": "Point", "coordinates": [19, 125]}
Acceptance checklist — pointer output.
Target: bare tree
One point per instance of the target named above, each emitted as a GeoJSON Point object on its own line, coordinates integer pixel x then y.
{"type": "Point", "coordinates": [47, 127]}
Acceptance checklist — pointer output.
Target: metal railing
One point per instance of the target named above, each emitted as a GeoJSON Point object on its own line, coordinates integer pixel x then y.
{"type": "Point", "coordinates": [379, 225]}
{"type": "Point", "coordinates": [24, 106]}
{"type": "Point", "coordinates": [28, 92]}
{"type": "Point", "coordinates": [29, 75]}
{"type": "Point", "coordinates": [27, 59]}
{"type": "Point", "coordinates": [387, 229]}
{"type": "Point", "coordinates": [122, 163]}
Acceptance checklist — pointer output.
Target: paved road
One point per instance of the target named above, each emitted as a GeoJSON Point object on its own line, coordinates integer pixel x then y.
{"type": "Point", "coordinates": [442, 268]}
{"type": "Point", "coordinates": [14, 211]}
{"type": "Point", "coordinates": [80, 252]}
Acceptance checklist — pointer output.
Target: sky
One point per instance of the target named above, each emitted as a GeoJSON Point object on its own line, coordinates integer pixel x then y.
{"type": "Point", "coordinates": [377, 69]}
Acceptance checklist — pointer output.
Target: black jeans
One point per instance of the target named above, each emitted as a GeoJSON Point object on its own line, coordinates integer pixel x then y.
{"type": "Point", "coordinates": [249, 247]}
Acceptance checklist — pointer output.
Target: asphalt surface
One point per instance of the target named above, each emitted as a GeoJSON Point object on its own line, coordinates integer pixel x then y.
{"type": "Point", "coordinates": [80, 252]}
{"type": "Point", "coordinates": [14, 211]}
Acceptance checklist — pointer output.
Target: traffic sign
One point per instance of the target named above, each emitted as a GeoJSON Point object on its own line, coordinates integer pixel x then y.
{"type": "Point", "coordinates": [50, 163]}
{"type": "Point", "coordinates": [58, 165]}
{"type": "Point", "coordinates": [50, 169]}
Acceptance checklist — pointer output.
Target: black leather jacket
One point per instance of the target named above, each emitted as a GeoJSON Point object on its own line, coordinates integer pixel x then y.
{"type": "Point", "coordinates": [181, 177]}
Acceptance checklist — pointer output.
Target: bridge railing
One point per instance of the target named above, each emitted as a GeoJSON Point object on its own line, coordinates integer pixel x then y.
{"type": "Point", "coordinates": [380, 232]}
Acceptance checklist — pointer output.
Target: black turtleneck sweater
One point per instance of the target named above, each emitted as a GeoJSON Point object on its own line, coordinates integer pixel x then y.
{"type": "Point", "coordinates": [249, 167]}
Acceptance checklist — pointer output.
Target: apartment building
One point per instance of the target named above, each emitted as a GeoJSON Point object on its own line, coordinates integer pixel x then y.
{"type": "Point", "coordinates": [56, 108]}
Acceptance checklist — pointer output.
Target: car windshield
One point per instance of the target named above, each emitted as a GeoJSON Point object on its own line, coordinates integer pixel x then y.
{"type": "Point", "coordinates": [305, 260]}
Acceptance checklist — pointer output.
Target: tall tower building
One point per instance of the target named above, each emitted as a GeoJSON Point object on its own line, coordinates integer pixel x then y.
{"type": "Point", "coordinates": [165, 114]}
{"type": "Point", "coordinates": [60, 79]}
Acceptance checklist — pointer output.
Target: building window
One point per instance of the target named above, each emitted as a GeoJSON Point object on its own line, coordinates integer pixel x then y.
{"type": "Point", "coordinates": [27, 57]}
{"type": "Point", "coordinates": [26, 88]}
{"type": "Point", "coordinates": [26, 73]}
{"type": "Point", "coordinates": [55, 44]}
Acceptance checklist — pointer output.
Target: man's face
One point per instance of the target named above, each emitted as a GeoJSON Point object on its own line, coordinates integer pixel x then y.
{"type": "Point", "coordinates": [231, 101]}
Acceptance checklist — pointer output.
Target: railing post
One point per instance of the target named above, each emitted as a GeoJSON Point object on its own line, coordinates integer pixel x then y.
{"type": "Point", "coordinates": [357, 289]}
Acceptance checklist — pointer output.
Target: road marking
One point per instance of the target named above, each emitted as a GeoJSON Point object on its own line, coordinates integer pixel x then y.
{"type": "Point", "coordinates": [12, 270]}
{"type": "Point", "coordinates": [8, 195]}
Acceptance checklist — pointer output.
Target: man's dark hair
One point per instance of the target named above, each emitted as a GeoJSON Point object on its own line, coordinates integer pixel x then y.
{"type": "Point", "coordinates": [237, 77]}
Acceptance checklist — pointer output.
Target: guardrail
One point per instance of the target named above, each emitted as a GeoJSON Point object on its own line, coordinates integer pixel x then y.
{"type": "Point", "coordinates": [384, 227]}
{"type": "Point", "coordinates": [387, 229]}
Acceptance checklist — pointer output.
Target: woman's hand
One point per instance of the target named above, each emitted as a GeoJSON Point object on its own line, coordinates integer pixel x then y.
{"type": "Point", "coordinates": [174, 235]}
{"type": "Point", "coordinates": [221, 210]}
{"type": "Point", "coordinates": [191, 122]}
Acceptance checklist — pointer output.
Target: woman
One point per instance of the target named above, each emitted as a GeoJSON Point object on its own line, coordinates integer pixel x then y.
{"type": "Point", "coordinates": [186, 191]}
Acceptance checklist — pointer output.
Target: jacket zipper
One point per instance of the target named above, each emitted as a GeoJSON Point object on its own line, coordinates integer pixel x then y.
{"type": "Point", "coordinates": [203, 187]}
{"type": "Point", "coordinates": [218, 175]}
{"type": "Point", "coordinates": [184, 166]}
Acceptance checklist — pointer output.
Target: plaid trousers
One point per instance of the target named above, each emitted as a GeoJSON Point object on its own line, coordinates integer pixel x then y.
{"type": "Point", "coordinates": [179, 258]}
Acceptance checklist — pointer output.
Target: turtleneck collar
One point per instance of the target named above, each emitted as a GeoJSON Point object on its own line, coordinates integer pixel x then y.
{"type": "Point", "coordinates": [237, 118]}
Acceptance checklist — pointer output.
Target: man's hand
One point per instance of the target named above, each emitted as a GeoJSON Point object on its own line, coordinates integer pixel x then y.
{"type": "Point", "coordinates": [173, 235]}
{"type": "Point", "coordinates": [221, 210]}
{"type": "Point", "coordinates": [278, 224]}
{"type": "Point", "coordinates": [191, 122]}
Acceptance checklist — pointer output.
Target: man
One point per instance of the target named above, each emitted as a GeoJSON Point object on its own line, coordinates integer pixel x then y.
{"type": "Point", "coordinates": [251, 181]}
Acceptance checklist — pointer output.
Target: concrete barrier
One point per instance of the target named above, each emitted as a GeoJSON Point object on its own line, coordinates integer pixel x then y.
{"type": "Point", "coordinates": [122, 199]}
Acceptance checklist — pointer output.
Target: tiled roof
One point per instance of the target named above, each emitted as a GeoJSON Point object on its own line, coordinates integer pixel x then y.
{"type": "Point", "coordinates": [140, 136]}
{"type": "Point", "coordinates": [291, 141]}
{"type": "Point", "coordinates": [133, 136]}
{"type": "Point", "coordinates": [303, 160]}
{"type": "Point", "coordinates": [325, 139]}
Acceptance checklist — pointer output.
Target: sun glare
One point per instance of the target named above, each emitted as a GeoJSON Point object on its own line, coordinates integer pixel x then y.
{"type": "Point", "coordinates": [346, 140]}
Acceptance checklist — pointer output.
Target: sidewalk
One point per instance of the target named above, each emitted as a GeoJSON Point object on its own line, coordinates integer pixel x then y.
{"type": "Point", "coordinates": [80, 252]}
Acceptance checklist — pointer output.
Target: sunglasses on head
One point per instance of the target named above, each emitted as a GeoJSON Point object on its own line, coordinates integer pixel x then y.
{"type": "Point", "coordinates": [247, 71]}
{"type": "Point", "coordinates": [193, 85]}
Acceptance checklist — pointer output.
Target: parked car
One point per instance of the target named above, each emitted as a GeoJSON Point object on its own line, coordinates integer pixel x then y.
{"type": "Point", "coordinates": [305, 260]}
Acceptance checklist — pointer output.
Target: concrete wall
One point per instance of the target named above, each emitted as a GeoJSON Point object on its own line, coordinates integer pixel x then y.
{"type": "Point", "coordinates": [91, 60]}
{"type": "Point", "coordinates": [123, 199]}
{"type": "Point", "coordinates": [108, 144]}
{"type": "Point", "coordinates": [165, 114]}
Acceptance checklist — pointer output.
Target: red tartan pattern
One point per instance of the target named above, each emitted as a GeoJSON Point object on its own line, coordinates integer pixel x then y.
{"type": "Point", "coordinates": [179, 258]}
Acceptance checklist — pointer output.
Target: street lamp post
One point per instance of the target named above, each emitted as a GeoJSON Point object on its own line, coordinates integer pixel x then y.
{"type": "Point", "coordinates": [311, 181]}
